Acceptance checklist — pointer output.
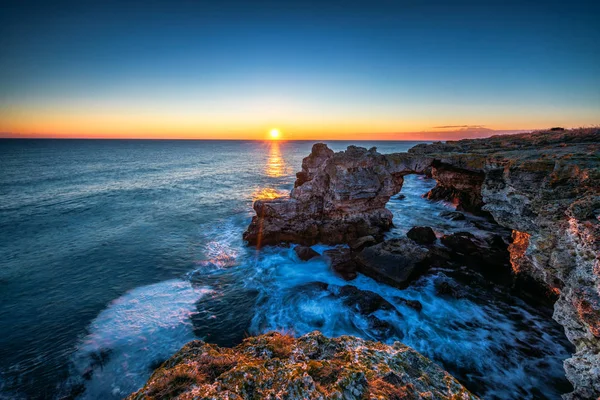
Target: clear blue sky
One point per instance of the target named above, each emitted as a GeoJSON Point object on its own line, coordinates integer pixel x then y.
{"type": "Point", "coordinates": [236, 69]}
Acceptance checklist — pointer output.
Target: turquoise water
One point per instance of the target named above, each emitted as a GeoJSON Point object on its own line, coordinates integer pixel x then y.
{"type": "Point", "coordinates": [116, 253]}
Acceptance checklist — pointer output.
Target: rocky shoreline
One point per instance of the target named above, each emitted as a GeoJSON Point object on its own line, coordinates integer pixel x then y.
{"type": "Point", "coordinates": [276, 366]}
{"type": "Point", "coordinates": [541, 190]}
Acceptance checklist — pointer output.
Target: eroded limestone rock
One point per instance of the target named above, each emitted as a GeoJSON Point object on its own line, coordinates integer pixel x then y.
{"type": "Point", "coordinates": [338, 197]}
{"type": "Point", "coordinates": [275, 366]}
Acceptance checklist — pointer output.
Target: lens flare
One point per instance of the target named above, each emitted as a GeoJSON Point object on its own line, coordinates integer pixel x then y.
{"type": "Point", "coordinates": [275, 133]}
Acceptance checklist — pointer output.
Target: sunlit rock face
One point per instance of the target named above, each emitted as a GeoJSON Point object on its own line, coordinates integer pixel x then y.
{"type": "Point", "coordinates": [275, 366]}
{"type": "Point", "coordinates": [338, 197]}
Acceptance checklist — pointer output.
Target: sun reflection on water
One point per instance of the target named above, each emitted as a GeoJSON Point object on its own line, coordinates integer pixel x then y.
{"type": "Point", "coordinates": [276, 166]}
{"type": "Point", "coordinates": [268, 194]}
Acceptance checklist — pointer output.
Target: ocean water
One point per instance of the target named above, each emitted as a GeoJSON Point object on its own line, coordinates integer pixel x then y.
{"type": "Point", "coordinates": [116, 253]}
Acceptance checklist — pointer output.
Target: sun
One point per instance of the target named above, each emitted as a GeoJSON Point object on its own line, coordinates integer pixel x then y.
{"type": "Point", "coordinates": [275, 133]}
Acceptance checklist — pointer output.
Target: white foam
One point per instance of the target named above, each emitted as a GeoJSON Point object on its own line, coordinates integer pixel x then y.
{"type": "Point", "coordinates": [460, 333]}
{"type": "Point", "coordinates": [144, 326]}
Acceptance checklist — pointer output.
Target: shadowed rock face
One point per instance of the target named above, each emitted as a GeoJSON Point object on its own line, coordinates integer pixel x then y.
{"type": "Point", "coordinates": [543, 185]}
{"type": "Point", "coordinates": [546, 187]}
{"type": "Point", "coordinates": [310, 367]}
{"type": "Point", "coordinates": [394, 261]}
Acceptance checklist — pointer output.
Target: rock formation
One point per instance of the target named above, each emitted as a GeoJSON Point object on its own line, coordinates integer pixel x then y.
{"type": "Point", "coordinates": [305, 253]}
{"type": "Point", "coordinates": [545, 186]}
{"type": "Point", "coordinates": [276, 366]}
{"type": "Point", "coordinates": [338, 197]}
{"type": "Point", "coordinates": [422, 235]}
{"type": "Point", "coordinates": [395, 261]}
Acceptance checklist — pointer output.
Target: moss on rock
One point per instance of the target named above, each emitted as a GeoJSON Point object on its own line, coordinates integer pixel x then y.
{"type": "Point", "coordinates": [277, 366]}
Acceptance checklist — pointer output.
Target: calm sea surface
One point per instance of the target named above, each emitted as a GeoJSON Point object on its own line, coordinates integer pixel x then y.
{"type": "Point", "coordinates": [114, 254]}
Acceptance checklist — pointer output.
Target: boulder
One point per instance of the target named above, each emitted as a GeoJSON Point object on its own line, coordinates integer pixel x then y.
{"type": "Point", "coordinates": [463, 243]}
{"type": "Point", "coordinates": [422, 235]}
{"type": "Point", "coordinates": [305, 253]}
{"type": "Point", "coordinates": [414, 304]}
{"type": "Point", "coordinates": [362, 242]}
{"type": "Point", "coordinates": [453, 215]}
{"type": "Point", "coordinates": [447, 287]}
{"type": "Point", "coordinates": [489, 256]}
{"type": "Point", "coordinates": [363, 301]}
{"type": "Point", "coordinates": [342, 262]}
{"type": "Point", "coordinates": [395, 261]}
{"type": "Point", "coordinates": [382, 329]}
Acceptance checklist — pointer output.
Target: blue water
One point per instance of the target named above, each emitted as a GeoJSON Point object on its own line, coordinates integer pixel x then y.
{"type": "Point", "coordinates": [116, 253]}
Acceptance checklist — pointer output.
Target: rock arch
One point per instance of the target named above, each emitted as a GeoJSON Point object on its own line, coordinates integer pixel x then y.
{"type": "Point", "coordinates": [545, 186]}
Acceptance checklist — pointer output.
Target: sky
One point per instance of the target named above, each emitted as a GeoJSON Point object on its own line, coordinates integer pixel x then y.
{"type": "Point", "coordinates": [312, 69]}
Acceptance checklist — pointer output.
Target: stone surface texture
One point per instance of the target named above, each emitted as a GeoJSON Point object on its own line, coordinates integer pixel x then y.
{"type": "Point", "coordinates": [545, 186]}
{"type": "Point", "coordinates": [337, 198]}
{"type": "Point", "coordinates": [276, 366]}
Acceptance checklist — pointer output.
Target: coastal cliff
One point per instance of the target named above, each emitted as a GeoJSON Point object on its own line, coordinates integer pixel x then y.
{"type": "Point", "coordinates": [276, 366]}
{"type": "Point", "coordinates": [544, 186]}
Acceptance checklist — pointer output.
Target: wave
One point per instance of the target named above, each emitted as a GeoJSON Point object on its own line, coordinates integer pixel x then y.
{"type": "Point", "coordinates": [132, 336]}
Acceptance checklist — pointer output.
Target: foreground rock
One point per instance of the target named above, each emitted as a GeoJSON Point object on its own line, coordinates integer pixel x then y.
{"type": "Point", "coordinates": [362, 242]}
{"type": "Point", "coordinates": [274, 366]}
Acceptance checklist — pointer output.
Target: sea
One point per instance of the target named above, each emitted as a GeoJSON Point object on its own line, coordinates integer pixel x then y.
{"type": "Point", "coordinates": [115, 253]}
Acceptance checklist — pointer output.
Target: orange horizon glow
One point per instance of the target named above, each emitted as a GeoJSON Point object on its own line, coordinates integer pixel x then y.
{"type": "Point", "coordinates": [64, 126]}
{"type": "Point", "coordinates": [308, 133]}
{"type": "Point", "coordinates": [252, 121]}
{"type": "Point", "coordinates": [261, 136]}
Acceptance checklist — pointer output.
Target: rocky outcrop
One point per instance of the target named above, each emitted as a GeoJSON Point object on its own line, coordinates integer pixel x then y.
{"type": "Point", "coordinates": [459, 186]}
{"type": "Point", "coordinates": [338, 197]}
{"type": "Point", "coordinates": [276, 366]}
{"type": "Point", "coordinates": [545, 186]}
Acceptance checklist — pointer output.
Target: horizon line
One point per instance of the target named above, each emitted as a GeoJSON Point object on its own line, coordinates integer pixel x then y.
{"type": "Point", "coordinates": [423, 136]}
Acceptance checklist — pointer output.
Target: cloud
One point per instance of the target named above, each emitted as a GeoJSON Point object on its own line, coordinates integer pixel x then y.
{"type": "Point", "coordinates": [457, 126]}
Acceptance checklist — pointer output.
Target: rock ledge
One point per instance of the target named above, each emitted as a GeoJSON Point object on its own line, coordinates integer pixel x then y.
{"type": "Point", "coordinates": [276, 366]}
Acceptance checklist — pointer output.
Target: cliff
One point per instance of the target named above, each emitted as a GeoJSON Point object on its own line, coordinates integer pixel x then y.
{"type": "Point", "coordinates": [275, 366]}
{"type": "Point", "coordinates": [544, 186]}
